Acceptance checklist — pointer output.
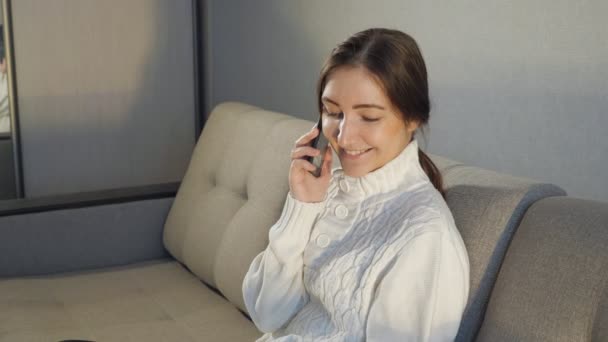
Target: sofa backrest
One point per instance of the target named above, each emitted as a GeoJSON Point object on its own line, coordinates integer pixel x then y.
{"type": "Point", "coordinates": [553, 284]}
{"type": "Point", "coordinates": [487, 207]}
{"type": "Point", "coordinates": [232, 193]}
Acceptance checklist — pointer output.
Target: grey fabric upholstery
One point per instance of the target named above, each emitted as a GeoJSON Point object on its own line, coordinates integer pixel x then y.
{"type": "Point", "coordinates": [232, 193]}
{"type": "Point", "coordinates": [82, 238]}
{"type": "Point", "coordinates": [553, 283]}
{"type": "Point", "coordinates": [600, 325]}
{"type": "Point", "coordinates": [154, 302]}
{"type": "Point", "coordinates": [487, 207]}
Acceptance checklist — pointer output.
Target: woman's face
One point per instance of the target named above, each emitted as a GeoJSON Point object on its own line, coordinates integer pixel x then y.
{"type": "Point", "coordinates": [360, 122]}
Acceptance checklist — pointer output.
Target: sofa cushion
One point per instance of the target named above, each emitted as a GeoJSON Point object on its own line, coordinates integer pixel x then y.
{"type": "Point", "coordinates": [152, 301]}
{"type": "Point", "coordinates": [553, 284]}
{"type": "Point", "coordinates": [232, 193]}
{"type": "Point", "coordinates": [487, 208]}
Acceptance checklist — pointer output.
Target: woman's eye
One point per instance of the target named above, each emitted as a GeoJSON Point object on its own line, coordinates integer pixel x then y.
{"type": "Point", "coordinates": [368, 119]}
{"type": "Point", "coordinates": [334, 115]}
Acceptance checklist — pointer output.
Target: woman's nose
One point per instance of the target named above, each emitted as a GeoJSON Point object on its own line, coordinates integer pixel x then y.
{"type": "Point", "coordinates": [346, 133]}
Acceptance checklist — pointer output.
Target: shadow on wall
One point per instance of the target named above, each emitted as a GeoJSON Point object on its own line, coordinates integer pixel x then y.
{"type": "Point", "coordinates": [123, 113]}
{"type": "Point", "coordinates": [268, 66]}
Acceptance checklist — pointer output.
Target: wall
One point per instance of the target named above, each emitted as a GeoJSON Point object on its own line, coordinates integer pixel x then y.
{"type": "Point", "coordinates": [517, 86]}
{"type": "Point", "coordinates": [105, 92]}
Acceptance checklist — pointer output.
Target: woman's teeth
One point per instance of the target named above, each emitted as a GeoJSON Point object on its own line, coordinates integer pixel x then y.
{"type": "Point", "coordinates": [355, 152]}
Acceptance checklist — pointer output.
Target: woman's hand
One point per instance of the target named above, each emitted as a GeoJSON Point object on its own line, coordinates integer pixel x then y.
{"type": "Point", "coordinates": [304, 186]}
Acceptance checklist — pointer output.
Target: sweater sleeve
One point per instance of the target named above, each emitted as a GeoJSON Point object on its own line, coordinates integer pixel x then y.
{"type": "Point", "coordinates": [273, 288]}
{"type": "Point", "coordinates": [422, 296]}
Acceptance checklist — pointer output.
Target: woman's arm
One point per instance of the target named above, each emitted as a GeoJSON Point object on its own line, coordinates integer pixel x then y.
{"type": "Point", "coordinates": [423, 295]}
{"type": "Point", "coordinates": [273, 288]}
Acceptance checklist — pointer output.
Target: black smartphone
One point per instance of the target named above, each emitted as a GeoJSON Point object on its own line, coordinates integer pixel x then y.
{"type": "Point", "coordinates": [320, 143]}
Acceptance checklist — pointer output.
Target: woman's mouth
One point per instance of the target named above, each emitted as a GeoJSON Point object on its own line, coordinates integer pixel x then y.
{"type": "Point", "coordinates": [354, 154]}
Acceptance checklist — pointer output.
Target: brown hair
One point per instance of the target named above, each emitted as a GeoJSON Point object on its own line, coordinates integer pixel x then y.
{"type": "Point", "coordinates": [394, 58]}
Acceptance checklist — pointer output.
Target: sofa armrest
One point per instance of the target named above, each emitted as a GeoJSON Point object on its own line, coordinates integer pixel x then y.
{"type": "Point", "coordinates": [553, 283]}
{"type": "Point", "coordinates": [81, 231]}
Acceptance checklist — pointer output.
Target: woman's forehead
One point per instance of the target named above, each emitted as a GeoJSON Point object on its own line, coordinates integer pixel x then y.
{"type": "Point", "coordinates": [352, 86]}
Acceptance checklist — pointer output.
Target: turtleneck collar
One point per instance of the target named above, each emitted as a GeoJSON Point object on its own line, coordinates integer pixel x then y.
{"type": "Point", "coordinates": [401, 172]}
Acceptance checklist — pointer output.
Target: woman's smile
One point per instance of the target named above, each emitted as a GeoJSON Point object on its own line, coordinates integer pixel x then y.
{"type": "Point", "coordinates": [353, 154]}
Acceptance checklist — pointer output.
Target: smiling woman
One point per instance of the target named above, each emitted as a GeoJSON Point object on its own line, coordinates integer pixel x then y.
{"type": "Point", "coordinates": [368, 252]}
{"type": "Point", "coordinates": [364, 128]}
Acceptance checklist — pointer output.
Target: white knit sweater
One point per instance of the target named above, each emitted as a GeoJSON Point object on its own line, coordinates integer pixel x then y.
{"type": "Point", "coordinates": [379, 260]}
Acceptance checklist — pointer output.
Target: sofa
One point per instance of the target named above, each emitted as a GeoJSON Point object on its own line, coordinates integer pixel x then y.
{"type": "Point", "coordinates": [166, 262]}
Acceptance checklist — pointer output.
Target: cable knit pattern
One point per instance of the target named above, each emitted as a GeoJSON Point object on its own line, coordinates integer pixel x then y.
{"type": "Point", "coordinates": [348, 254]}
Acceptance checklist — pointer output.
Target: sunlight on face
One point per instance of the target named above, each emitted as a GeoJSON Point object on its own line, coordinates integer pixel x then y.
{"type": "Point", "coordinates": [363, 127]}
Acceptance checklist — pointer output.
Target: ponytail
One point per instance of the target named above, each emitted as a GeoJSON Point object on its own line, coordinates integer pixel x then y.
{"type": "Point", "coordinates": [431, 171]}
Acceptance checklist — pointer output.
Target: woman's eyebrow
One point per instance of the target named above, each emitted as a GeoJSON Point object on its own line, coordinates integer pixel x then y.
{"type": "Point", "coordinates": [368, 105]}
{"type": "Point", "coordinates": [357, 106]}
{"type": "Point", "coordinates": [327, 99]}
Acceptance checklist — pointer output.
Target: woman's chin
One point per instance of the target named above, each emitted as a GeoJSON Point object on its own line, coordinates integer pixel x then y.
{"type": "Point", "coordinates": [355, 166]}
{"type": "Point", "coordinates": [354, 171]}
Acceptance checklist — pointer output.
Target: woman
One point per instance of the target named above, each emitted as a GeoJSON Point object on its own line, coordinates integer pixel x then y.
{"type": "Point", "coordinates": [370, 251]}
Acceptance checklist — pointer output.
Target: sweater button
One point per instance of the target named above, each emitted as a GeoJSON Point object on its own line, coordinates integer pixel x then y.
{"type": "Point", "coordinates": [323, 240]}
{"type": "Point", "coordinates": [344, 185]}
{"type": "Point", "coordinates": [341, 211]}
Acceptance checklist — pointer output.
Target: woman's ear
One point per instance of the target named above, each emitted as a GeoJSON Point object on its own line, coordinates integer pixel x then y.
{"type": "Point", "coordinates": [412, 126]}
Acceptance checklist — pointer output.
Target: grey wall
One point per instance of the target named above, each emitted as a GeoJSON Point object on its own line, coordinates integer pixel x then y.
{"type": "Point", "coordinates": [517, 86]}
{"type": "Point", "coordinates": [105, 92]}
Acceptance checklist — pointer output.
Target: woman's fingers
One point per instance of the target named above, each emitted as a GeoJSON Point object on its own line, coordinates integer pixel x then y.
{"type": "Point", "coordinates": [303, 164]}
{"type": "Point", "coordinates": [326, 168]}
{"type": "Point", "coordinates": [303, 185]}
{"type": "Point", "coordinates": [307, 138]}
{"type": "Point", "coordinates": [304, 151]}
{"type": "Point", "coordinates": [303, 148]}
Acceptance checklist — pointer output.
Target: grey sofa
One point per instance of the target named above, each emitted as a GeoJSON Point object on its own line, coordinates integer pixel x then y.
{"type": "Point", "coordinates": [166, 263]}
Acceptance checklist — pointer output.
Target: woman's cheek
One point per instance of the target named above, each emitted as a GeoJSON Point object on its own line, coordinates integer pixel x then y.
{"type": "Point", "coordinates": [330, 133]}
{"type": "Point", "coordinates": [329, 129]}
{"type": "Point", "coordinates": [373, 136]}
